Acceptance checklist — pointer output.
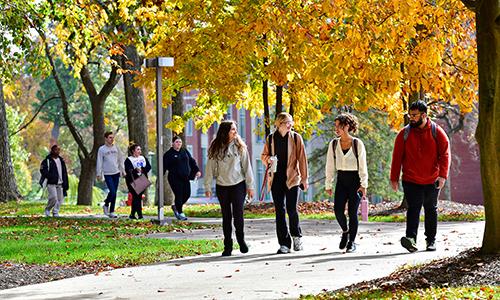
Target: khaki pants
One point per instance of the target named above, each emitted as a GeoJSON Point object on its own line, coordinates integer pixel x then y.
{"type": "Point", "coordinates": [56, 198]}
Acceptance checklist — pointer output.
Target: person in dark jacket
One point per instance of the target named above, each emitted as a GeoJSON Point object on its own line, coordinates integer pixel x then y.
{"type": "Point", "coordinates": [135, 165]}
{"type": "Point", "coordinates": [55, 176]}
{"type": "Point", "coordinates": [181, 168]}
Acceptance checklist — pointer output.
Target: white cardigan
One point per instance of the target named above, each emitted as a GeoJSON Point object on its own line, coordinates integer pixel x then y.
{"type": "Point", "coordinates": [345, 162]}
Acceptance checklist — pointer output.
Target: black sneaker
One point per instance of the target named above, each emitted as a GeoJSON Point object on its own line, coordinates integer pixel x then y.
{"type": "Point", "coordinates": [409, 244]}
{"type": "Point", "coordinates": [351, 247]}
{"type": "Point", "coordinates": [431, 246]}
{"type": "Point", "coordinates": [227, 252]}
{"type": "Point", "coordinates": [176, 213]}
{"type": "Point", "coordinates": [343, 240]}
{"type": "Point", "coordinates": [132, 217]}
{"type": "Point", "coordinates": [243, 247]}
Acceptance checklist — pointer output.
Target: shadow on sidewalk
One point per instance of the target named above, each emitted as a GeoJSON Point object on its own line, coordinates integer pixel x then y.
{"type": "Point", "coordinates": [316, 258]}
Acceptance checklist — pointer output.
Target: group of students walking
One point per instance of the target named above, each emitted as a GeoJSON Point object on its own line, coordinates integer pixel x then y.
{"type": "Point", "coordinates": [421, 152]}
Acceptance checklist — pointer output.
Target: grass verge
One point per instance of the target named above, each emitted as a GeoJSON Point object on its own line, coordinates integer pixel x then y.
{"type": "Point", "coordinates": [66, 241]}
{"type": "Point", "coordinates": [474, 292]}
{"type": "Point", "coordinates": [211, 211]}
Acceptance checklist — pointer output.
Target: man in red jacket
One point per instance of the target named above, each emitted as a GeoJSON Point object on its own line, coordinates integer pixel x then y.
{"type": "Point", "coordinates": [422, 151]}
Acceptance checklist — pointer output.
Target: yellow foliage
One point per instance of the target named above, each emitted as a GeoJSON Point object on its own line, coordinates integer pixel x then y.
{"type": "Point", "coordinates": [366, 54]}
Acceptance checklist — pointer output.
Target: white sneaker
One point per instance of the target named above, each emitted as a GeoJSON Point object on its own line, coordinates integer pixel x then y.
{"type": "Point", "coordinates": [105, 209]}
{"type": "Point", "coordinates": [112, 215]}
{"type": "Point", "coordinates": [297, 244]}
{"type": "Point", "coordinates": [283, 250]}
{"type": "Point", "coordinates": [47, 213]}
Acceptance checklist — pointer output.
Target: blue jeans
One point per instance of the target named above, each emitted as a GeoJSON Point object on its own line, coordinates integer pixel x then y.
{"type": "Point", "coordinates": [112, 182]}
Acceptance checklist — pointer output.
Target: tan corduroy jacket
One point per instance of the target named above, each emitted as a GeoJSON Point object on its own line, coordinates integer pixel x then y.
{"type": "Point", "coordinates": [296, 170]}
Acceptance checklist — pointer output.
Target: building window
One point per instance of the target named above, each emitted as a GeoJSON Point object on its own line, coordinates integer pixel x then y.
{"type": "Point", "coordinates": [189, 128]}
{"type": "Point", "coordinates": [189, 125]}
{"type": "Point", "coordinates": [190, 149]}
{"type": "Point", "coordinates": [242, 123]}
{"type": "Point", "coordinates": [204, 157]}
{"type": "Point", "coordinates": [229, 115]}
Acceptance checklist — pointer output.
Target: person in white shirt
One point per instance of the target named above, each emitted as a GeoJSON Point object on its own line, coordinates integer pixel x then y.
{"type": "Point", "coordinates": [136, 165]}
{"type": "Point", "coordinates": [346, 159]}
{"type": "Point", "coordinates": [110, 166]}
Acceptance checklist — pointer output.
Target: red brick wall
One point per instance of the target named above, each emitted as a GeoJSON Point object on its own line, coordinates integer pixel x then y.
{"type": "Point", "coordinates": [465, 175]}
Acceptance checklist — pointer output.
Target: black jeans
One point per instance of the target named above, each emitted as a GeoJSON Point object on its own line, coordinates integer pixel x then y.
{"type": "Point", "coordinates": [346, 192]}
{"type": "Point", "coordinates": [416, 196]}
{"type": "Point", "coordinates": [136, 202]}
{"type": "Point", "coordinates": [232, 199]}
{"type": "Point", "coordinates": [279, 191]}
{"type": "Point", "coordinates": [181, 189]}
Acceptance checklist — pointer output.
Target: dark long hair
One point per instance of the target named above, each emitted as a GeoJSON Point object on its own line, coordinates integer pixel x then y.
{"type": "Point", "coordinates": [218, 147]}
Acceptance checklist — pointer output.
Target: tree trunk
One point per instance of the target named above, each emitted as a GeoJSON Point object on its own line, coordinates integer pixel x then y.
{"type": "Point", "coordinates": [265, 99]}
{"type": "Point", "coordinates": [86, 182]}
{"type": "Point", "coordinates": [8, 186]}
{"type": "Point", "coordinates": [54, 133]}
{"type": "Point", "coordinates": [97, 101]}
{"type": "Point", "coordinates": [279, 99]}
{"type": "Point", "coordinates": [178, 110]}
{"type": "Point", "coordinates": [488, 129]}
{"type": "Point", "coordinates": [168, 195]}
{"type": "Point", "coordinates": [134, 97]}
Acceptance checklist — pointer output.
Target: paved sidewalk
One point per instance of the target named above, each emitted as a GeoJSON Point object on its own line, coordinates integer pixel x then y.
{"type": "Point", "coordinates": [261, 274]}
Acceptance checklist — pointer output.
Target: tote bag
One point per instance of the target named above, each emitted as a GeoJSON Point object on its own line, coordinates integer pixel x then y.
{"type": "Point", "coordinates": [140, 184]}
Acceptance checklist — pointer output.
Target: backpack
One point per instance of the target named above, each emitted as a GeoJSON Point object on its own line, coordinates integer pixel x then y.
{"type": "Point", "coordinates": [354, 149]}
{"type": "Point", "coordinates": [408, 127]}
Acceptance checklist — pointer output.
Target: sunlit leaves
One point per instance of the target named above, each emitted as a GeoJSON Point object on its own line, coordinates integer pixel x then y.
{"type": "Point", "coordinates": [363, 53]}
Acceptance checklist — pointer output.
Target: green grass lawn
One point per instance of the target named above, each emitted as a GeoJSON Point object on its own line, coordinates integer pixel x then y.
{"type": "Point", "coordinates": [67, 241]}
{"type": "Point", "coordinates": [206, 211]}
{"type": "Point", "coordinates": [475, 292]}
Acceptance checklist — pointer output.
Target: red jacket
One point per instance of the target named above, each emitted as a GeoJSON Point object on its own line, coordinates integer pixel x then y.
{"type": "Point", "coordinates": [422, 160]}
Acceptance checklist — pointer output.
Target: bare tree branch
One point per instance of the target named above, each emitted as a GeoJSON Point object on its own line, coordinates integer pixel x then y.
{"type": "Point", "coordinates": [34, 116]}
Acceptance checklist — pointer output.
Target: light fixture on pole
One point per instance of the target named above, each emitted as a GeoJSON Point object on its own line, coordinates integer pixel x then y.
{"type": "Point", "coordinates": [159, 63]}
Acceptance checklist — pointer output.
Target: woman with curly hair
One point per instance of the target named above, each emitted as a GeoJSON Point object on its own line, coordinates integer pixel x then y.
{"type": "Point", "coordinates": [346, 160]}
{"type": "Point", "coordinates": [229, 162]}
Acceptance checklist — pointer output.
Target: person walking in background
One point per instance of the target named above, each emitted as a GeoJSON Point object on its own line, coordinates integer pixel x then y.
{"type": "Point", "coordinates": [422, 151]}
{"type": "Point", "coordinates": [55, 176]}
{"type": "Point", "coordinates": [135, 165]}
{"type": "Point", "coordinates": [229, 162]}
{"type": "Point", "coordinates": [181, 168]}
{"type": "Point", "coordinates": [287, 147]}
{"type": "Point", "coordinates": [346, 160]}
{"type": "Point", "coordinates": [110, 166]}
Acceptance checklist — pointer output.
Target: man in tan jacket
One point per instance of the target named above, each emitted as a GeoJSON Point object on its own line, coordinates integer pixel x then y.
{"type": "Point", "coordinates": [285, 148]}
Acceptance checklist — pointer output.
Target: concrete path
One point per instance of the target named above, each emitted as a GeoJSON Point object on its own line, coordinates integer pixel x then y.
{"type": "Point", "coordinates": [261, 274]}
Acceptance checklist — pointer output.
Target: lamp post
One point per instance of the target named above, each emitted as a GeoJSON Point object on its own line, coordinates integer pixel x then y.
{"type": "Point", "coordinates": [159, 63]}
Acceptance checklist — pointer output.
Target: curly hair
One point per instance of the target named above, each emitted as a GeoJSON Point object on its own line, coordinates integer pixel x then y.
{"type": "Point", "coordinates": [218, 147]}
{"type": "Point", "coordinates": [348, 119]}
{"type": "Point", "coordinates": [132, 148]}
